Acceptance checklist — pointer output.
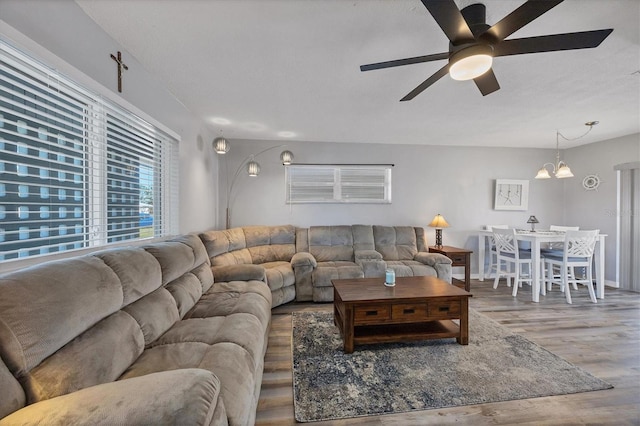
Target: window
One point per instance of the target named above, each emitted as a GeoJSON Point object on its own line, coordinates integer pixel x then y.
{"type": "Point", "coordinates": [338, 184]}
{"type": "Point", "coordinates": [77, 171]}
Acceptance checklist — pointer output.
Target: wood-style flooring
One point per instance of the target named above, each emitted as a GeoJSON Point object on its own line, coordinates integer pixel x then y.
{"type": "Point", "coordinates": [602, 338]}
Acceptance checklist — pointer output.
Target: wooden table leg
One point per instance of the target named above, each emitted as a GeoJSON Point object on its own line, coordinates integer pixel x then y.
{"type": "Point", "coordinates": [348, 329]}
{"type": "Point", "coordinates": [464, 322]}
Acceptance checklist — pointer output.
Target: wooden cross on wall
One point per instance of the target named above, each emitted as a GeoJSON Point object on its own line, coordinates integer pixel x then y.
{"type": "Point", "coordinates": [121, 65]}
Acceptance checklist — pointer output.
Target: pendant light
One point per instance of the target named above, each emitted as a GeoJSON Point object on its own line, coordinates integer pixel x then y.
{"type": "Point", "coordinates": [561, 169]}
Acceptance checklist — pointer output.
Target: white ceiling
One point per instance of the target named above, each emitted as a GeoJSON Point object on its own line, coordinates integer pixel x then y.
{"type": "Point", "coordinates": [254, 69]}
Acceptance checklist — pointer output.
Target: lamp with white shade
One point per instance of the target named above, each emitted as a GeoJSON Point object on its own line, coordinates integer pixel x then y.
{"type": "Point", "coordinates": [439, 222]}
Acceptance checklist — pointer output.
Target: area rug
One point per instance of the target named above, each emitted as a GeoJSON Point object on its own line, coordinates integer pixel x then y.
{"type": "Point", "coordinates": [497, 365]}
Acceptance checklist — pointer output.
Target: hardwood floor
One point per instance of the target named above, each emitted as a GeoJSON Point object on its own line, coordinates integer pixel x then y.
{"type": "Point", "coordinates": [602, 338]}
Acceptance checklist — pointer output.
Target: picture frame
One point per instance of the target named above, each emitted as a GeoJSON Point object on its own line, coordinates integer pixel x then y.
{"type": "Point", "coordinates": [511, 194]}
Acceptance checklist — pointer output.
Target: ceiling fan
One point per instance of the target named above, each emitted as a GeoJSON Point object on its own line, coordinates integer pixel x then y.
{"type": "Point", "coordinates": [474, 44]}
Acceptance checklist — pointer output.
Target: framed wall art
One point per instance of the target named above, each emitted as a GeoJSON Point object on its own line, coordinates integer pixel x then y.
{"type": "Point", "coordinates": [511, 194]}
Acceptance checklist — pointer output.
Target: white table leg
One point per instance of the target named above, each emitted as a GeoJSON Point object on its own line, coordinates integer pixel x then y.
{"type": "Point", "coordinates": [535, 278]}
{"type": "Point", "coordinates": [481, 240]}
{"type": "Point", "coordinates": [599, 259]}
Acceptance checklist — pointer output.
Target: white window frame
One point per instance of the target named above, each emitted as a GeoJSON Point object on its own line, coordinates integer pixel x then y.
{"type": "Point", "coordinates": [94, 141]}
{"type": "Point", "coordinates": [374, 176]}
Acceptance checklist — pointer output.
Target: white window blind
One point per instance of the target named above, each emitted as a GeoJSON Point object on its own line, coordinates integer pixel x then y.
{"type": "Point", "coordinates": [76, 171]}
{"type": "Point", "coordinates": [338, 184]}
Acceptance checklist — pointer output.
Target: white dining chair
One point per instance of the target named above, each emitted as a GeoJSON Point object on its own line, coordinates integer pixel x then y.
{"type": "Point", "coordinates": [509, 254]}
{"type": "Point", "coordinates": [493, 255]}
{"type": "Point", "coordinates": [555, 249]}
{"type": "Point", "coordinates": [578, 248]}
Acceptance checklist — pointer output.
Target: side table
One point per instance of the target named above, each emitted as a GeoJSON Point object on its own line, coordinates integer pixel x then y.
{"type": "Point", "coordinates": [459, 257]}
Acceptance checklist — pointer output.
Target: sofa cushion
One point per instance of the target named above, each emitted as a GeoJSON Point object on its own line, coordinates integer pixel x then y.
{"type": "Point", "coordinates": [327, 271]}
{"type": "Point", "coordinates": [175, 259]}
{"type": "Point", "coordinates": [243, 272]}
{"type": "Point", "coordinates": [45, 307]}
{"type": "Point", "coordinates": [270, 243]}
{"type": "Point", "coordinates": [155, 313]}
{"type": "Point", "coordinates": [186, 291]}
{"type": "Point", "coordinates": [236, 257]}
{"type": "Point", "coordinates": [99, 355]}
{"type": "Point", "coordinates": [279, 274]}
{"type": "Point", "coordinates": [244, 330]}
{"type": "Point", "coordinates": [220, 242]}
{"type": "Point", "coordinates": [139, 272]}
{"type": "Point", "coordinates": [229, 362]}
{"type": "Point", "coordinates": [225, 298]}
{"type": "Point", "coordinates": [13, 397]}
{"type": "Point", "coordinates": [411, 268]}
{"type": "Point", "coordinates": [183, 397]}
{"type": "Point", "coordinates": [331, 243]}
{"type": "Point", "coordinates": [395, 242]}
{"type": "Point", "coordinates": [363, 237]}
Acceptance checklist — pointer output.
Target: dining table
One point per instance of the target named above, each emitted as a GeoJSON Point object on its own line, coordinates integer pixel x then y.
{"type": "Point", "coordinates": [536, 239]}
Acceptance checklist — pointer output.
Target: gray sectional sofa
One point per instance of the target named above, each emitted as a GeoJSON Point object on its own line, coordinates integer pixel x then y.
{"type": "Point", "coordinates": [299, 263]}
{"type": "Point", "coordinates": [131, 336]}
{"type": "Point", "coordinates": [174, 332]}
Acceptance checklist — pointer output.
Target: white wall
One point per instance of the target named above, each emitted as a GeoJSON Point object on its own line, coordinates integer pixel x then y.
{"type": "Point", "coordinates": [60, 34]}
{"type": "Point", "coordinates": [457, 182]}
{"type": "Point", "coordinates": [598, 209]}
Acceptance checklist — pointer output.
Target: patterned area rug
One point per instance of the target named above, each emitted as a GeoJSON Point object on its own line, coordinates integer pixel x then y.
{"type": "Point", "coordinates": [497, 365]}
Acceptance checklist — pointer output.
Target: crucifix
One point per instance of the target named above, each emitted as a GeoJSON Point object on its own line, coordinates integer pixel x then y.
{"type": "Point", "coordinates": [121, 65]}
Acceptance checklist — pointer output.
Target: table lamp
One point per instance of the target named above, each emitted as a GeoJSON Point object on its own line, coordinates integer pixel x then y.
{"type": "Point", "coordinates": [438, 222]}
{"type": "Point", "coordinates": [532, 220]}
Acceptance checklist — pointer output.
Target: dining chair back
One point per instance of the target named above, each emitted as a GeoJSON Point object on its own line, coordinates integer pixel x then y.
{"type": "Point", "coordinates": [509, 254]}
{"type": "Point", "coordinates": [577, 251]}
{"type": "Point", "coordinates": [492, 247]}
{"type": "Point", "coordinates": [558, 245]}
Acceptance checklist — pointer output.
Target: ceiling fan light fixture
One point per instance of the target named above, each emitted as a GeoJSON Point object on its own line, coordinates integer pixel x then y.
{"type": "Point", "coordinates": [470, 62]}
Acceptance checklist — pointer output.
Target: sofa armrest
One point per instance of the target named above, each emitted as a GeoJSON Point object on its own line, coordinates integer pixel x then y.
{"type": "Point", "coordinates": [439, 262]}
{"type": "Point", "coordinates": [431, 259]}
{"type": "Point", "coordinates": [187, 396]}
{"type": "Point", "coordinates": [303, 259]}
{"type": "Point", "coordinates": [367, 255]}
{"type": "Point", "coordinates": [303, 264]}
{"type": "Point", "coordinates": [244, 272]}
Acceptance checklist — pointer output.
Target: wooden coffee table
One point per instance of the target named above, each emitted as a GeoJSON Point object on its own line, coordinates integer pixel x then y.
{"type": "Point", "coordinates": [417, 308]}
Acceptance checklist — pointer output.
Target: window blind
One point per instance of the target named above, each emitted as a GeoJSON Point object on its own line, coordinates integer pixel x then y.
{"type": "Point", "coordinates": [338, 184]}
{"type": "Point", "coordinates": [76, 171]}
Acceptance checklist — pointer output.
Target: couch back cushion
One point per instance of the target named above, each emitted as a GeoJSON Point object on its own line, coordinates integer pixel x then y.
{"type": "Point", "coordinates": [270, 243]}
{"type": "Point", "coordinates": [331, 243]}
{"type": "Point", "coordinates": [48, 306]}
{"type": "Point", "coordinates": [395, 242]}
{"type": "Point", "coordinates": [83, 321]}
{"type": "Point", "coordinates": [225, 241]}
{"type": "Point", "coordinates": [363, 237]}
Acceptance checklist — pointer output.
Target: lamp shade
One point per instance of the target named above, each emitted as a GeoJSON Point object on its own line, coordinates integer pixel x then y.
{"type": "Point", "coordinates": [253, 168]}
{"type": "Point", "coordinates": [439, 222]}
{"type": "Point", "coordinates": [220, 145]}
{"type": "Point", "coordinates": [286, 157]}
{"type": "Point", "coordinates": [543, 173]}
{"type": "Point", "coordinates": [563, 171]}
{"type": "Point", "coordinates": [532, 219]}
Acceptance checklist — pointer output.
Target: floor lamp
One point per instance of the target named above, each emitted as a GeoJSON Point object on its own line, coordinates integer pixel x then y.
{"type": "Point", "coordinates": [221, 146]}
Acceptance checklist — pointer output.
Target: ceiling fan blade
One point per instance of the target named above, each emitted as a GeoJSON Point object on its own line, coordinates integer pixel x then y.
{"type": "Point", "coordinates": [520, 17]}
{"type": "Point", "coordinates": [428, 82]}
{"type": "Point", "coordinates": [487, 83]}
{"type": "Point", "coordinates": [406, 61]}
{"type": "Point", "coordinates": [551, 43]}
{"type": "Point", "coordinates": [450, 19]}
